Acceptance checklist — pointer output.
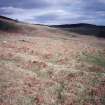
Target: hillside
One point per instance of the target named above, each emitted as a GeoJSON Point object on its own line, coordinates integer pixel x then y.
{"type": "Point", "coordinates": [83, 29]}
{"type": "Point", "coordinates": [41, 65]}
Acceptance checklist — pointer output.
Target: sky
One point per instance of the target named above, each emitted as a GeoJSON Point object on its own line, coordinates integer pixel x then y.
{"type": "Point", "coordinates": [55, 11]}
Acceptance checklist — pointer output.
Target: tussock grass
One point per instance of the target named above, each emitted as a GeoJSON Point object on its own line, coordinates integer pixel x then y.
{"type": "Point", "coordinates": [60, 91]}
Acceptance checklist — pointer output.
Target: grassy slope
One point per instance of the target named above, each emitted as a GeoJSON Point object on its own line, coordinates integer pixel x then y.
{"type": "Point", "coordinates": [45, 66]}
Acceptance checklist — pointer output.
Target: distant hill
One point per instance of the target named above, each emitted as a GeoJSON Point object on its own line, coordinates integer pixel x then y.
{"type": "Point", "coordinates": [6, 18]}
{"type": "Point", "coordinates": [12, 25]}
{"type": "Point", "coordinates": [83, 29]}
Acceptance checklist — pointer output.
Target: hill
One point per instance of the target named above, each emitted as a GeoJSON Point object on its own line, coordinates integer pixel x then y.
{"type": "Point", "coordinates": [83, 29]}
{"type": "Point", "coordinates": [6, 18]}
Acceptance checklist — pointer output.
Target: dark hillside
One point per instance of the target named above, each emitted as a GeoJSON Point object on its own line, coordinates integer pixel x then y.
{"type": "Point", "coordinates": [83, 29]}
{"type": "Point", "coordinates": [7, 24]}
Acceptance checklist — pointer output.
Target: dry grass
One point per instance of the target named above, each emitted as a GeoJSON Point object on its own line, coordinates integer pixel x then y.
{"type": "Point", "coordinates": [44, 67]}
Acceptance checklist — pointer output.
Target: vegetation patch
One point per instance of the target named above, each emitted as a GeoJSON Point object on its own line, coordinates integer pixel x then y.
{"type": "Point", "coordinates": [7, 26]}
{"type": "Point", "coordinates": [96, 59]}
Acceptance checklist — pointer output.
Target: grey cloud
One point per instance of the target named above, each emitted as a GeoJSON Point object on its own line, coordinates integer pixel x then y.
{"type": "Point", "coordinates": [24, 3]}
{"type": "Point", "coordinates": [55, 11]}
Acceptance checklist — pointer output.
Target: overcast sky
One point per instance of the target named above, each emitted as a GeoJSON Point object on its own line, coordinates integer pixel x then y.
{"type": "Point", "coordinates": [55, 11]}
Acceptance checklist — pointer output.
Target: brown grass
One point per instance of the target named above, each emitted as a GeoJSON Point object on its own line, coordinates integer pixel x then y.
{"type": "Point", "coordinates": [45, 67]}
